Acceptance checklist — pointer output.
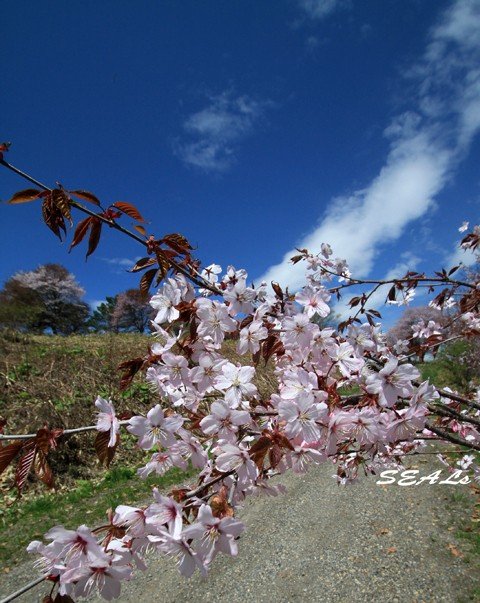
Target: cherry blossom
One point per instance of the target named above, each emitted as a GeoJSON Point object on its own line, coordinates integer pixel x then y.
{"type": "Point", "coordinates": [168, 296]}
{"type": "Point", "coordinates": [217, 535]}
{"type": "Point", "coordinates": [224, 421]}
{"type": "Point", "coordinates": [155, 429]}
{"type": "Point", "coordinates": [107, 420]}
{"type": "Point", "coordinates": [314, 301]}
{"type": "Point", "coordinates": [235, 381]}
{"type": "Point", "coordinates": [392, 381]}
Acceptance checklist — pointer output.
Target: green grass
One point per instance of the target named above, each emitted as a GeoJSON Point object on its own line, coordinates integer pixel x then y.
{"type": "Point", "coordinates": [25, 521]}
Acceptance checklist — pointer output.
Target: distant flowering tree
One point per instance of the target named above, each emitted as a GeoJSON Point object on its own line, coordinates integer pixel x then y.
{"type": "Point", "coordinates": [210, 412]}
{"type": "Point", "coordinates": [55, 298]}
{"type": "Point", "coordinates": [131, 312]}
{"type": "Point", "coordinates": [418, 328]}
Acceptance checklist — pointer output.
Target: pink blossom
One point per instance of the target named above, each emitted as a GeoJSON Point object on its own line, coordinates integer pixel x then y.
{"type": "Point", "coordinates": [209, 367]}
{"type": "Point", "coordinates": [131, 517]}
{"type": "Point", "coordinates": [214, 320]}
{"type": "Point", "coordinates": [76, 543]}
{"type": "Point", "coordinates": [392, 381]}
{"type": "Point", "coordinates": [231, 457]}
{"type": "Point", "coordinates": [176, 546]}
{"type": "Point", "coordinates": [314, 301]}
{"type": "Point", "coordinates": [165, 511]}
{"type": "Point", "coordinates": [216, 534]}
{"type": "Point", "coordinates": [346, 360]}
{"type": "Point", "coordinates": [236, 382]}
{"type": "Point", "coordinates": [224, 421]}
{"type": "Point", "coordinates": [301, 416]}
{"type": "Point", "coordinates": [298, 330]}
{"type": "Point", "coordinates": [175, 368]}
{"type": "Point", "coordinates": [101, 575]}
{"type": "Point", "coordinates": [161, 462]}
{"type": "Point", "coordinates": [107, 421]}
{"type": "Point", "coordinates": [155, 429]}
{"type": "Point", "coordinates": [165, 300]}
{"type": "Point", "coordinates": [251, 336]}
{"type": "Point", "coordinates": [240, 298]}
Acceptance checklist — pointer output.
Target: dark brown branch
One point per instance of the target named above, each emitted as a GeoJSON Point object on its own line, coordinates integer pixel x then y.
{"type": "Point", "coordinates": [452, 438]}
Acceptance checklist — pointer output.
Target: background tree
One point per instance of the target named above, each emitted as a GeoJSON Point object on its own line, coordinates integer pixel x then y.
{"type": "Point", "coordinates": [132, 311]}
{"type": "Point", "coordinates": [54, 298]}
{"type": "Point", "coordinates": [101, 319]}
{"type": "Point", "coordinates": [402, 330]}
{"type": "Point", "coordinates": [20, 306]}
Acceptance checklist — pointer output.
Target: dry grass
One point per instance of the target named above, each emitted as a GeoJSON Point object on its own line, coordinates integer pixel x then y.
{"type": "Point", "coordinates": [55, 380]}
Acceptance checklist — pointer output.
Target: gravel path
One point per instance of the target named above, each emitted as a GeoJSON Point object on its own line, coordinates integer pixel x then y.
{"type": "Point", "coordinates": [321, 543]}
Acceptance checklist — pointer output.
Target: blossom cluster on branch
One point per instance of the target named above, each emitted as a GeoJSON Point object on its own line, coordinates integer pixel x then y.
{"type": "Point", "coordinates": [343, 396]}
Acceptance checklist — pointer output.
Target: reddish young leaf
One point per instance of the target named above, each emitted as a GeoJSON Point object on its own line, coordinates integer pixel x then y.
{"type": "Point", "coordinates": [80, 232]}
{"type": "Point", "coordinates": [143, 263]}
{"type": "Point", "coordinates": [146, 280]}
{"type": "Point", "coordinates": [282, 441]}
{"type": "Point", "coordinates": [46, 439]}
{"type": "Point", "coordinates": [129, 209]}
{"type": "Point", "coordinates": [296, 258]}
{"type": "Point", "coordinates": [177, 242]}
{"type": "Point", "coordinates": [86, 196]}
{"type": "Point", "coordinates": [105, 452]}
{"type": "Point", "coordinates": [62, 201]}
{"type": "Point", "coordinates": [219, 504]}
{"type": "Point", "coordinates": [42, 469]}
{"type": "Point", "coordinates": [164, 264]}
{"type": "Point", "coordinates": [391, 294]}
{"type": "Point", "coordinates": [275, 455]}
{"type": "Point", "coordinates": [278, 290]}
{"type": "Point", "coordinates": [25, 465]}
{"type": "Point", "coordinates": [94, 238]}
{"type": "Point", "coordinates": [8, 453]}
{"type": "Point", "coordinates": [131, 368]}
{"type": "Point", "coordinates": [29, 194]}
{"type": "Point", "coordinates": [53, 217]}
{"type": "Point", "coordinates": [140, 229]}
{"type": "Point", "coordinates": [259, 451]}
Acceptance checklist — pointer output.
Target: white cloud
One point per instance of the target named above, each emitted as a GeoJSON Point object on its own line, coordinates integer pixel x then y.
{"type": "Point", "coordinates": [426, 145]}
{"type": "Point", "coordinates": [213, 134]}
{"type": "Point", "coordinates": [120, 265]}
{"type": "Point", "coordinates": [460, 256]}
{"type": "Point", "coordinates": [319, 9]}
{"type": "Point", "coordinates": [121, 262]}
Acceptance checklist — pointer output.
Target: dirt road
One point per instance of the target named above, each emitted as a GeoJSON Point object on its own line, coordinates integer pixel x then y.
{"type": "Point", "coordinates": [324, 543]}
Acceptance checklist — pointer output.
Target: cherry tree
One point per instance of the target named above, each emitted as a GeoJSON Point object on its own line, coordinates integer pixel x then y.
{"type": "Point", "coordinates": [210, 413]}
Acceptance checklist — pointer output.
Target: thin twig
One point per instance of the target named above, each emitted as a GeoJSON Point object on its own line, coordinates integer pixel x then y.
{"type": "Point", "coordinates": [29, 436]}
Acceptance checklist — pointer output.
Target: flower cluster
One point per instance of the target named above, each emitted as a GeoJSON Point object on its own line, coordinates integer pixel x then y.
{"type": "Point", "coordinates": [211, 414]}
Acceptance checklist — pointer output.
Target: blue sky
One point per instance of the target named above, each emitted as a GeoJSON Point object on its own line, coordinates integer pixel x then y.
{"type": "Point", "coordinates": [251, 127]}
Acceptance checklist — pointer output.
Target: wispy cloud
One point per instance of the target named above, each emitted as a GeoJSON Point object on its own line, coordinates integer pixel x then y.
{"type": "Point", "coordinates": [212, 135]}
{"type": "Point", "coordinates": [426, 144]}
{"type": "Point", "coordinates": [319, 9]}
{"type": "Point", "coordinates": [119, 265]}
